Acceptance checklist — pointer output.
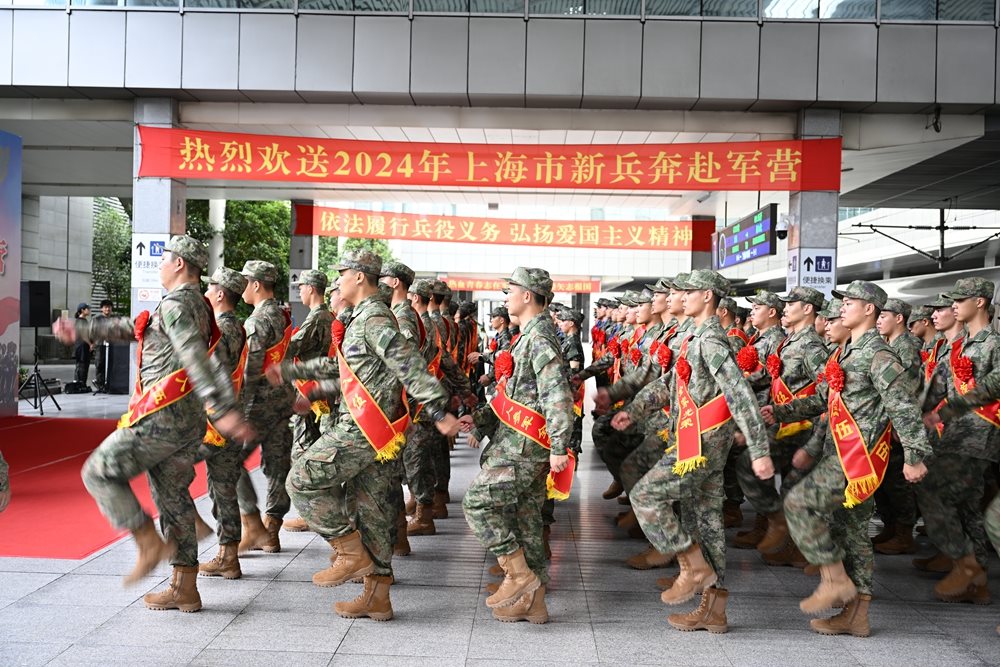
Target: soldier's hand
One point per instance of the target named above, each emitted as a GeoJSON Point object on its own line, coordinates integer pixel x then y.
{"type": "Point", "coordinates": [273, 375]}
{"type": "Point", "coordinates": [763, 467]}
{"type": "Point", "coordinates": [739, 440]}
{"type": "Point", "coordinates": [207, 451]}
{"type": "Point", "coordinates": [466, 424]}
{"type": "Point", "coordinates": [449, 425]}
{"type": "Point", "coordinates": [64, 330]}
{"type": "Point", "coordinates": [914, 473]}
{"type": "Point", "coordinates": [4, 499]}
{"type": "Point", "coordinates": [454, 404]}
{"type": "Point", "coordinates": [575, 381]}
{"type": "Point", "coordinates": [602, 401]}
{"type": "Point", "coordinates": [471, 401]}
{"type": "Point", "coordinates": [474, 357]}
{"type": "Point", "coordinates": [931, 420]}
{"type": "Point", "coordinates": [485, 380]}
{"type": "Point", "coordinates": [233, 426]}
{"type": "Point", "coordinates": [621, 421]}
{"type": "Point", "coordinates": [558, 463]}
{"type": "Point", "coordinates": [473, 442]}
{"type": "Point", "coordinates": [301, 405]}
{"type": "Point", "coordinates": [802, 460]}
{"type": "Point", "coordinates": [767, 412]}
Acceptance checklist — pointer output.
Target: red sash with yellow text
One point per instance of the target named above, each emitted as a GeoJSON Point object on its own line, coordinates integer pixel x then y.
{"type": "Point", "coordinates": [276, 353]}
{"type": "Point", "coordinates": [931, 362]}
{"type": "Point", "coordinates": [694, 421]}
{"type": "Point", "coordinates": [212, 436]}
{"type": "Point", "coordinates": [864, 470]}
{"type": "Point", "coordinates": [782, 395]}
{"type": "Point", "coordinates": [386, 437]}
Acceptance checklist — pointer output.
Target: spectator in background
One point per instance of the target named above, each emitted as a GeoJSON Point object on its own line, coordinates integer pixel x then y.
{"type": "Point", "coordinates": [81, 353]}
{"type": "Point", "coordinates": [101, 350]}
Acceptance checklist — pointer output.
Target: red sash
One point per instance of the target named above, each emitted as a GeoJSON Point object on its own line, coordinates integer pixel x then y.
{"type": "Point", "coordinates": [581, 393]}
{"type": "Point", "coordinates": [864, 471]}
{"type": "Point", "coordinates": [212, 436]}
{"type": "Point", "coordinates": [739, 333]}
{"type": "Point", "coordinates": [531, 424]}
{"type": "Point", "coordinates": [276, 353]}
{"type": "Point", "coordinates": [991, 412]}
{"type": "Point", "coordinates": [664, 433]}
{"type": "Point", "coordinates": [305, 387]}
{"type": "Point", "coordinates": [782, 395]}
{"type": "Point", "coordinates": [931, 362]}
{"type": "Point", "coordinates": [165, 391]}
{"type": "Point", "coordinates": [386, 437]}
{"type": "Point", "coordinates": [694, 421]}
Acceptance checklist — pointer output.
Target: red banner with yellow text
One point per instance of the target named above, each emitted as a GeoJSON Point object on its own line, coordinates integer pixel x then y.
{"type": "Point", "coordinates": [793, 164]}
{"type": "Point", "coordinates": [471, 284]}
{"type": "Point", "coordinates": [681, 235]}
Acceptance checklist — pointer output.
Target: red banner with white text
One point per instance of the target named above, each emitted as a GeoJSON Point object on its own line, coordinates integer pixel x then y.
{"type": "Point", "coordinates": [806, 164]}
{"type": "Point", "coordinates": [472, 284]}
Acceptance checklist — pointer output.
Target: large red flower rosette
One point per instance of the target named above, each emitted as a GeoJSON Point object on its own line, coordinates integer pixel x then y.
{"type": "Point", "coordinates": [924, 356]}
{"type": "Point", "coordinates": [624, 346]}
{"type": "Point", "coordinates": [834, 375]}
{"type": "Point", "coordinates": [337, 330]}
{"type": "Point", "coordinates": [963, 369]}
{"type": "Point", "coordinates": [636, 356]}
{"type": "Point", "coordinates": [774, 366]}
{"type": "Point", "coordinates": [664, 356]}
{"type": "Point", "coordinates": [493, 345]}
{"type": "Point", "coordinates": [614, 349]}
{"type": "Point", "coordinates": [503, 366]}
{"type": "Point", "coordinates": [683, 368]}
{"type": "Point", "coordinates": [141, 322]}
{"type": "Point", "coordinates": [654, 348]}
{"type": "Point", "coordinates": [748, 359]}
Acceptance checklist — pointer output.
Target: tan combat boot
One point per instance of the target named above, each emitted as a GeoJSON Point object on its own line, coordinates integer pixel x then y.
{"type": "Point", "coordinates": [518, 580]}
{"type": "Point", "coordinates": [352, 561]}
{"type": "Point", "coordinates": [411, 506]}
{"type": "Point", "coordinates": [254, 533]}
{"type": "Point", "coordinates": [664, 583]}
{"type": "Point", "coordinates": [965, 573]}
{"type": "Point", "coordinates": [732, 514]}
{"type": "Point", "coordinates": [182, 593]}
{"type": "Point", "coordinates": [613, 491]}
{"type": "Point", "coordinates": [789, 555]}
{"type": "Point", "coordinates": [811, 570]}
{"type": "Point", "coordinates": [273, 527]}
{"type": "Point", "coordinates": [373, 601]}
{"type": "Point", "coordinates": [710, 614]}
{"type": "Point", "coordinates": [496, 570]}
{"type": "Point", "coordinates": [696, 575]}
{"type": "Point", "coordinates": [201, 529]}
{"type": "Point", "coordinates": [936, 563]}
{"type": "Point", "coordinates": [852, 619]}
{"type": "Point", "coordinates": [402, 546]}
{"type": "Point", "coordinates": [776, 536]}
{"type": "Point", "coordinates": [297, 525]}
{"type": "Point", "coordinates": [749, 539]}
{"type": "Point", "coordinates": [152, 551]}
{"type": "Point", "coordinates": [976, 594]}
{"type": "Point", "coordinates": [530, 607]}
{"type": "Point", "coordinates": [900, 543]}
{"type": "Point", "coordinates": [649, 559]}
{"type": "Point", "coordinates": [835, 588]}
{"type": "Point", "coordinates": [226, 564]}
{"type": "Point", "coordinates": [422, 523]}
{"type": "Point", "coordinates": [440, 505]}
{"type": "Point", "coordinates": [628, 521]}
{"type": "Point", "coordinates": [887, 533]}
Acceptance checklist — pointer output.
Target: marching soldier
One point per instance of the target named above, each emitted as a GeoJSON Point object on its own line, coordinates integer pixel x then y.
{"type": "Point", "coordinates": [569, 322]}
{"type": "Point", "coordinates": [165, 423]}
{"type": "Point", "coordinates": [309, 341]}
{"type": "Point", "coordinates": [500, 323]}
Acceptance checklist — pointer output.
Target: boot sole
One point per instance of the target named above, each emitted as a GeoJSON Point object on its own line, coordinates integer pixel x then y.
{"type": "Point", "coordinates": [839, 604]}
{"type": "Point", "coordinates": [959, 599]}
{"type": "Point", "coordinates": [530, 588]}
{"type": "Point", "coordinates": [534, 620]}
{"type": "Point", "coordinates": [771, 550]}
{"type": "Point", "coordinates": [700, 588]}
{"type": "Point", "coordinates": [186, 608]}
{"type": "Point", "coordinates": [834, 633]}
{"type": "Point", "coordinates": [401, 552]}
{"type": "Point", "coordinates": [421, 533]}
{"type": "Point", "coordinates": [375, 617]}
{"type": "Point", "coordinates": [354, 575]}
{"type": "Point", "coordinates": [294, 529]}
{"type": "Point", "coordinates": [714, 629]}
{"type": "Point", "coordinates": [648, 566]}
{"type": "Point", "coordinates": [227, 575]}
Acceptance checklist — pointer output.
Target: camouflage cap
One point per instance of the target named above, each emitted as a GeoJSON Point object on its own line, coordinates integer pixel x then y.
{"type": "Point", "coordinates": [364, 261]}
{"type": "Point", "coordinates": [729, 304]}
{"type": "Point", "coordinates": [678, 281]}
{"type": "Point", "coordinates": [832, 309]}
{"type": "Point", "coordinates": [555, 306]}
{"type": "Point", "coordinates": [645, 296]}
{"type": "Point", "coordinates": [467, 308]}
{"type": "Point", "coordinates": [898, 307]}
{"type": "Point", "coordinates": [385, 293]}
{"type": "Point", "coordinates": [440, 288]}
{"type": "Point", "coordinates": [500, 311]}
{"type": "Point", "coordinates": [706, 279]}
{"type": "Point", "coordinates": [317, 279]}
{"type": "Point", "coordinates": [662, 286]}
{"type": "Point", "coordinates": [232, 280]}
{"type": "Point", "coordinates": [769, 299]}
{"type": "Point", "coordinates": [533, 280]}
{"type": "Point", "coordinates": [606, 303]}
{"type": "Point", "coordinates": [805, 295]}
{"type": "Point", "coordinates": [966, 288]}
{"type": "Point", "coordinates": [864, 290]}
{"type": "Point", "coordinates": [421, 287]}
{"type": "Point", "coordinates": [256, 269]}
{"type": "Point", "coordinates": [191, 250]}
{"type": "Point", "coordinates": [921, 313]}
{"type": "Point", "coordinates": [940, 301]}
{"type": "Point", "coordinates": [628, 298]}
{"type": "Point", "coordinates": [399, 270]}
{"type": "Point", "coordinates": [570, 315]}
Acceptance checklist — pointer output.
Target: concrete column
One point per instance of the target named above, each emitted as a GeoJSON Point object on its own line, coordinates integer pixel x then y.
{"type": "Point", "coordinates": [303, 254]}
{"type": "Point", "coordinates": [813, 217]}
{"type": "Point", "coordinates": [217, 221]}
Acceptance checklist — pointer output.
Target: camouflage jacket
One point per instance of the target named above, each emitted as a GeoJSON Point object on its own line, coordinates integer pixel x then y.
{"type": "Point", "coordinates": [406, 320]}
{"type": "Point", "coordinates": [503, 343]}
{"type": "Point", "coordinates": [766, 343]}
{"type": "Point", "coordinates": [430, 347]}
{"type": "Point", "coordinates": [735, 341]}
{"type": "Point", "coordinates": [647, 370]}
{"type": "Point", "coordinates": [537, 382]}
{"type": "Point", "coordinates": [4, 475]}
{"type": "Point", "coordinates": [233, 338]}
{"type": "Point", "coordinates": [176, 337]}
{"type": "Point", "coordinates": [312, 338]}
{"type": "Point", "coordinates": [967, 433]}
{"type": "Point", "coordinates": [907, 347]}
{"type": "Point", "coordinates": [384, 361]}
{"type": "Point", "coordinates": [572, 350]}
{"type": "Point", "coordinates": [875, 391]}
{"type": "Point", "coordinates": [265, 328]}
{"type": "Point", "coordinates": [713, 372]}
{"type": "Point", "coordinates": [602, 365]}
{"type": "Point", "coordinates": [802, 358]}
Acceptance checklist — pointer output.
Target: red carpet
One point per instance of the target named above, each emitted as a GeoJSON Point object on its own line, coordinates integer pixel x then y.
{"type": "Point", "coordinates": [51, 515]}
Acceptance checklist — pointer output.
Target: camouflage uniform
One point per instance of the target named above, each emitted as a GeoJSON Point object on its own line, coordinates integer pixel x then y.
{"type": "Point", "coordinates": [385, 362]}
{"type": "Point", "coordinates": [222, 463]}
{"type": "Point", "coordinates": [267, 408]}
{"type": "Point", "coordinates": [572, 351]}
{"type": "Point", "coordinates": [876, 391]}
{"type": "Point", "coordinates": [951, 493]}
{"type": "Point", "coordinates": [4, 475]}
{"type": "Point", "coordinates": [164, 443]}
{"type": "Point", "coordinates": [513, 474]}
{"type": "Point", "coordinates": [713, 372]}
{"type": "Point", "coordinates": [310, 340]}
{"type": "Point", "coordinates": [803, 355]}
{"type": "Point", "coordinates": [731, 480]}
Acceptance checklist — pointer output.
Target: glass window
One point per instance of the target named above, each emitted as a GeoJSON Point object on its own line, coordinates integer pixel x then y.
{"type": "Point", "coordinates": [916, 10]}
{"type": "Point", "coordinates": [966, 10]}
{"type": "Point", "coordinates": [673, 7]}
{"type": "Point", "coordinates": [399, 6]}
{"type": "Point", "coordinates": [792, 9]}
{"type": "Point", "coordinates": [729, 8]}
{"type": "Point", "coordinates": [847, 9]}
{"type": "Point", "coordinates": [38, 3]}
{"type": "Point", "coordinates": [226, 4]}
{"type": "Point", "coordinates": [555, 7]}
{"type": "Point", "coordinates": [614, 7]}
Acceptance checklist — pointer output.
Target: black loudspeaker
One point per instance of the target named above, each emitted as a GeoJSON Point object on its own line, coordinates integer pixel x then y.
{"type": "Point", "coordinates": [119, 356]}
{"type": "Point", "coordinates": [35, 303]}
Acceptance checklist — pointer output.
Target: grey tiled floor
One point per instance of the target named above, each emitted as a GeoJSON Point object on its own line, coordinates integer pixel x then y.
{"type": "Point", "coordinates": [77, 613]}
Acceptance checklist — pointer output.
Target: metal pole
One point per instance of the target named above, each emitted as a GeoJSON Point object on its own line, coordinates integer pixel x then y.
{"type": "Point", "coordinates": [941, 257]}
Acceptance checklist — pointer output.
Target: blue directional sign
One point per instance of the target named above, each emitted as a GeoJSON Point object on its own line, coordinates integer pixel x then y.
{"type": "Point", "coordinates": [748, 239]}
{"type": "Point", "coordinates": [156, 248]}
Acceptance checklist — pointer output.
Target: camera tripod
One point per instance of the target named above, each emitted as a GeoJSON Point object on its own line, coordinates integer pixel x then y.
{"type": "Point", "coordinates": [37, 382]}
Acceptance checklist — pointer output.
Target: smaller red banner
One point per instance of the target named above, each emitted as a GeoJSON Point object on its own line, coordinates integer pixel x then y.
{"type": "Point", "coordinates": [468, 284]}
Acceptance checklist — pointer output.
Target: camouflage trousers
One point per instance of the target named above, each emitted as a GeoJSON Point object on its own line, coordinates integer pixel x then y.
{"type": "Point", "coordinates": [223, 467]}
{"type": "Point", "coordinates": [276, 459]}
{"type": "Point", "coordinates": [824, 530]}
{"type": "Point", "coordinates": [441, 462]}
{"type": "Point", "coordinates": [895, 500]}
{"type": "Point", "coordinates": [949, 498]}
{"type": "Point", "coordinates": [421, 441]}
{"type": "Point", "coordinates": [699, 494]}
{"type": "Point", "coordinates": [731, 479]}
{"type": "Point", "coordinates": [641, 460]}
{"type": "Point", "coordinates": [305, 431]}
{"type": "Point", "coordinates": [168, 461]}
{"type": "Point", "coordinates": [763, 494]}
{"type": "Point", "coordinates": [576, 437]}
{"type": "Point", "coordinates": [319, 483]}
{"type": "Point", "coordinates": [992, 520]}
{"type": "Point", "coordinates": [503, 484]}
{"type": "Point", "coordinates": [614, 446]}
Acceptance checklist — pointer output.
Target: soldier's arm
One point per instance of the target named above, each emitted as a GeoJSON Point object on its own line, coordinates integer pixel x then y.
{"type": "Point", "coordinates": [936, 390]}
{"type": "Point", "coordinates": [888, 377]}
{"type": "Point", "coordinates": [817, 440]}
{"type": "Point", "coordinates": [405, 362]}
{"type": "Point", "coordinates": [555, 399]}
{"type": "Point", "coordinates": [802, 408]}
{"type": "Point", "coordinates": [105, 329]}
{"type": "Point", "coordinates": [212, 384]}
{"type": "Point", "coordinates": [302, 337]}
{"type": "Point", "coordinates": [456, 382]}
{"type": "Point", "coordinates": [815, 359]}
{"type": "Point", "coordinates": [485, 421]}
{"type": "Point", "coordinates": [325, 370]}
{"type": "Point", "coordinates": [987, 390]}
{"type": "Point", "coordinates": [739, 395]}
{"type": "Point", "coordinates": [598, 367]}
{"type": "Point", "coordinates": [631, 383]}
{"type": "Point", "coordinates": [650, 398]}
{"type": "Point", "coordinates": [735, 343]}
{"type": "Point", "coordinates": [256, 337]}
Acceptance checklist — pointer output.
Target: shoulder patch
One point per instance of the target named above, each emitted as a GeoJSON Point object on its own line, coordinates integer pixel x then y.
{"type": "Point", "coordinates": [380, 332]}
{"type": "Point", "coordinates": [886, 366]}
